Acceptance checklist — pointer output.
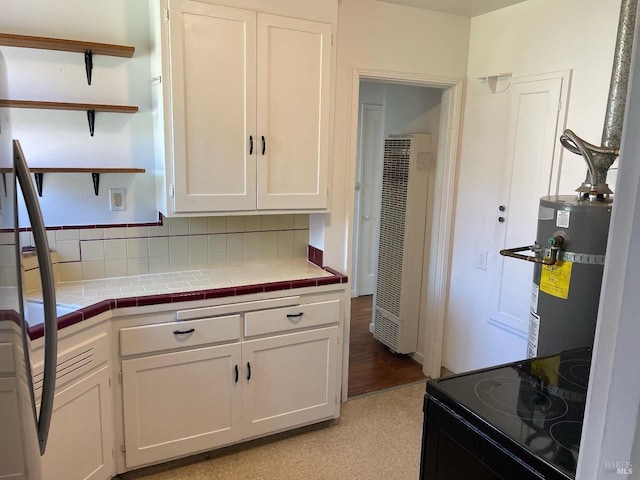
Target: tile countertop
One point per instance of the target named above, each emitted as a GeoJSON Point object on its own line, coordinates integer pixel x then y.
{"type": "Point", "coordinates": [89, 298]}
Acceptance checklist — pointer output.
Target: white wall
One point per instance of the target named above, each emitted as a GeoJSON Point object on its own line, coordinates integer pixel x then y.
{"type": "Point", "coordinates": [61, 138]}
{"type": "Point", "coordinates": [387, 37]}
{"type": "Point", "coordinates": [528, 38]}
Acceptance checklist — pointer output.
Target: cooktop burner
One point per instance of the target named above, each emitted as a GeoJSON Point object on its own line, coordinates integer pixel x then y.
{"type": "Point", "coordinates": [498, 393]}
{"type": "Point", "coordinates": [537, 403]}
{"type": "Point", "coordinates": [575, 371]}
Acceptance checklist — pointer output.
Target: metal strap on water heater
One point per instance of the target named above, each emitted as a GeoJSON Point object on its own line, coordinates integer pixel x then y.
{"type": "Point", "coordinates": [584, 258]}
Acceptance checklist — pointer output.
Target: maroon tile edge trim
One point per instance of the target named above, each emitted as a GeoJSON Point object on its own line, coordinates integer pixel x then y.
{"type": "Point", "coordinates": [343, 278]}
{"type": "Point", "coordinates": [85, 313]}
{"type": "Point", "coordinates": [275, 286]}
{"type": "Point", "coordinates": [70, 319]}
{"type": "Point", "coordinates": [248, 289]}
{"type": "Point", "coordinates": [126, 302]}
{"type": "Point", "coordinates": [187, 296]}
{"type": "Point", "coordinates": [220, 292]}
{"type": "Point", "coordinates": [305, 282]}
{"type": "Point", "coordinates": [154, 299]}
{"type": "Point", "coordinates": [95, 309]}
{"type": "Point", "coordinates": [314, 255]}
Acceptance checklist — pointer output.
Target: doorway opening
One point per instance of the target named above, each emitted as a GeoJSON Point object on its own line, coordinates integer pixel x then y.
{"type": "Point", "coordinates": [387, 103]}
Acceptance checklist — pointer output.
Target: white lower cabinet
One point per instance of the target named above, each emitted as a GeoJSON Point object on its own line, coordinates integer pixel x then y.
{"type": "Point", "coordinates": [80, 444]}
{"type": "Point", "coordinates": [292, 380]}
{"type": "Point", "coordinates": [182, 396]}
{"type": "Point", "coordinates": [181, 402]}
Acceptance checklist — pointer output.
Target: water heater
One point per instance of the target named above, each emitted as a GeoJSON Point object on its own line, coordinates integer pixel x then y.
{"type": "Point", "coordinates": [564, 300]}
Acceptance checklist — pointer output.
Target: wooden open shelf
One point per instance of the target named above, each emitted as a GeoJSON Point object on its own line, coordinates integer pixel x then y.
{"type": "Point", "coordinates": [78, 170]}
{"type": "Point", "coordinates": [61, 44]}
{"type": "Point", "coordinates": [67, 106]}
{"type": "Point", "coordinates": [90, 108]}
{"type": "Point", "coordinates": [95, 174]}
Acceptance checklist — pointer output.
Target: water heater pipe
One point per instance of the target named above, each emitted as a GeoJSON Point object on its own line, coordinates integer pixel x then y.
{"type": "Point", "coordinates": [601, 158]}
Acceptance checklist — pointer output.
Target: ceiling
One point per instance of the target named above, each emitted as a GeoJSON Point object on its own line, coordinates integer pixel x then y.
{"type": "Point", "coordinates": [467, 8]}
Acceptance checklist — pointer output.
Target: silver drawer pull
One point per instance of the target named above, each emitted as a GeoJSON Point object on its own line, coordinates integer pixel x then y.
{"type": "Point", "coordinates": [184, 332]}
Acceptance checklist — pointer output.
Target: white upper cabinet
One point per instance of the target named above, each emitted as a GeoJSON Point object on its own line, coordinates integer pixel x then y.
{"type": "Point", "coordinates": [243, 110]}
{"type": "Point", "coordinates": [293, 112]}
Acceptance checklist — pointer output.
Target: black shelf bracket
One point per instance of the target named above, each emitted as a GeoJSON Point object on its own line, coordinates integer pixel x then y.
{"type": "Point", "coordinates": [96, 182]}
{"type": "Point", "coordinates": [91, 116]}
{"type": "Point", "coordinates": [88, 64]}
{"type": "Point", "coordinates": [39, 176]}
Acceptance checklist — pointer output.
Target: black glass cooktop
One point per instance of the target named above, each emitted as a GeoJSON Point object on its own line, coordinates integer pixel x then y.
{"type": "Point", "coordinates": [538, 403]}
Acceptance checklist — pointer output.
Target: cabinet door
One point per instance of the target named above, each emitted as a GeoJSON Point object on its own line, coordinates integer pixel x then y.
{"type": "Point", "coordinates": [180, 403]}
{"type": "Point", "coordinates": [290, 380]}
{"type": "Point", "coordinates": [12, 460]}
{"type": "Point", "coordinates": [293, 112]}
{"type": "Point", "coordinates": [213, 100]}
{"type": "Point", "coordinates": [80, 444]}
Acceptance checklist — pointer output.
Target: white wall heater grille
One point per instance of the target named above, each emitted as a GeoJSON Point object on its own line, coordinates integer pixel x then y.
{"type": "Point", "coordinates": [405, 181]}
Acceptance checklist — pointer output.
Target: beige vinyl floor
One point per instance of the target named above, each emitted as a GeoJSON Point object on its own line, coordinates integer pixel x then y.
{"type": "Point", "coordinates": [377, 436]}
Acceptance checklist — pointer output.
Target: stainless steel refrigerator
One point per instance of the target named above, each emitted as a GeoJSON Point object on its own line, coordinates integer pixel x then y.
{"type": "Point", "coordinates": [24, 420]}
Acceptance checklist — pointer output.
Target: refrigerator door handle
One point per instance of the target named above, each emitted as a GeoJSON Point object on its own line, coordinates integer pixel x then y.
{"type": "Point", "coordinates": [48, 296]}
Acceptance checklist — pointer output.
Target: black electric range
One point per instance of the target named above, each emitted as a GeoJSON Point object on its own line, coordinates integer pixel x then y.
{"type": "Point", "coordinates": [521, 420]}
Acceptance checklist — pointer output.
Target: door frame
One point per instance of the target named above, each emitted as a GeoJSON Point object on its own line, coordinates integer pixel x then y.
{"type": "Point", "coordinates": [438, 263]}
{"type": "Point", "coordinates": [356, 279]}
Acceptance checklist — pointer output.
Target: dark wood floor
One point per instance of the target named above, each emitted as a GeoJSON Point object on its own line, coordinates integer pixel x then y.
{"type": "Point", "coordinates": [372, 366]}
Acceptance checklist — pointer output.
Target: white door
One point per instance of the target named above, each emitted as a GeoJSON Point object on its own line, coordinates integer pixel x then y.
{"type": "Point", "coordinates": [536, 121]}
{"type": "Point", "coordinates": [290, 380]}
{"type": "Point", "coordinates": [293, 112]}
{"type": "Point", "coordinates": [368, 193]}
{"type": "Point", "coordinates": [213, 100]}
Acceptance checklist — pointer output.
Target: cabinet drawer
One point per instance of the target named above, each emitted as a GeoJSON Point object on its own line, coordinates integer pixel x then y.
{"type": "Point", "coordinates": [167, 336]}
{"type": "Point", "coordinates": [291, 318]}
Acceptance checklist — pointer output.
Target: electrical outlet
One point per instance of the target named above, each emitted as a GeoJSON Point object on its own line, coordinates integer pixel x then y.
{"type": "Point", "coordinates": [116, 199]}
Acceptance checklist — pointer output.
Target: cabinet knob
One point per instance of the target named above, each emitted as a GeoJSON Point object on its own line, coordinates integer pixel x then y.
{"type": "Point", "coordinates": [501, 219]}
{"type": "Point", "coordinates": [502, 208]}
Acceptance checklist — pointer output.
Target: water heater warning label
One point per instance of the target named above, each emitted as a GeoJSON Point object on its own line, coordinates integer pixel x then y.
{"type": "Point", "coordinates": [562, 218]}
{"type": "Point", "coordinates": [555, 279]}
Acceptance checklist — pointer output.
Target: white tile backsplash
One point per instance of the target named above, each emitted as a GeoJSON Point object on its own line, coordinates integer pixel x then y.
{"type": "Point", "coordinates": [116, 267]}
{"type": "Point", "coordinates": [178, 244]}
{"type": "Point", "coordinates": [217, 224]}
{"type": "Point", "coordinates": [158, 246]}
{"type": "Point", "coordinates": [91, 234]}
{"type": "Point", "coordinates": [138, 248]}
{"type": "Point", "coordinates": [68, 250]}
{"type": "Point", "coordinates": [72, 234]}
{"type": "Point", "coordinates": [179, 226]}
{"type": "Point", "coordinates": [198, 225]}
{"type": "Point", "coordinates": [235, 224]}
{"type": "Point", "coordinates": [116, 248]}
